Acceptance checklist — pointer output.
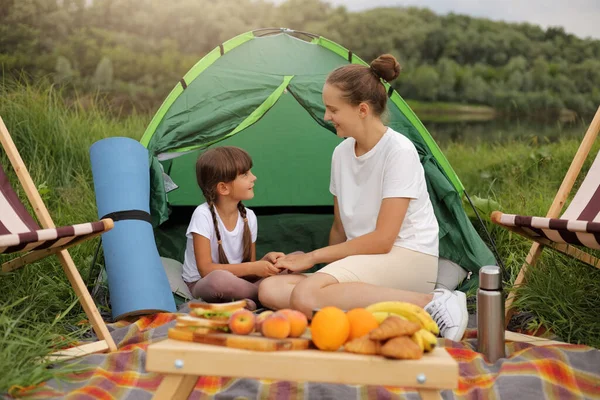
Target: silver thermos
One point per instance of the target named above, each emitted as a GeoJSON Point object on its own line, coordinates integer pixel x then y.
{"type": "Point", "coordinates": [490, 314]}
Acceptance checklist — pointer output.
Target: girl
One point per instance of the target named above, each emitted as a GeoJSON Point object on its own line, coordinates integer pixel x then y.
{"type": "Point", "coordinates": [383, 244]}
{"type": "Point", "coordinates": [220, 256]}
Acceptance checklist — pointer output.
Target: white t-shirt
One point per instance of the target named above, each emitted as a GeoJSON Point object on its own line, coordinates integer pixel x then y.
{"type": "Point", "coordinates": [233, 242]}
{"type": "Point", "coordinates": [390, 169]}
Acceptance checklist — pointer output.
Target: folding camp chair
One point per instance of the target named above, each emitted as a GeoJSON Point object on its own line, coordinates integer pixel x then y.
{"type": "Point", "coordinates": [580, 223]}
{"type": "Point", "coordinates": [19, 233]}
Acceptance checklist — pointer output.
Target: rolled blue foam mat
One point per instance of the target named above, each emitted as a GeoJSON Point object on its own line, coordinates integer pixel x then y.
{"type": "Point", "coordinates": [137, 281]}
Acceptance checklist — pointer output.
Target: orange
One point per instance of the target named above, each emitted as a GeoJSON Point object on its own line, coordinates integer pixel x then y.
{"type": "Point", "coordinates": [361, 322]}
{"type": "Point", "coordinates": [330, 328]}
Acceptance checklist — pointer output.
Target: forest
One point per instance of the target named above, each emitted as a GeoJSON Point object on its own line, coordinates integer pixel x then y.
{"type": "Point", "coordinates": [132, 52]}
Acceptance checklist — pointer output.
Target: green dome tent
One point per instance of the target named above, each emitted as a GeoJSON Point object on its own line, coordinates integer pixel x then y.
{"type": "Point", "coordinates": [262, 91]}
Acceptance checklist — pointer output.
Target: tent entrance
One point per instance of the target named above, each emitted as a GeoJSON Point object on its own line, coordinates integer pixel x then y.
{"type": "Point", "coordinates": [293, 206]}
{"type": "Point", "coordinates": [285, 135]}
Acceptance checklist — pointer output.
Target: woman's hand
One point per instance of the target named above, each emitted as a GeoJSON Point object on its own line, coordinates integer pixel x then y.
{"type": "Point", "coordinates": [296, 262]}
{"type": "Point", "coordinates": [273, 256]}
{"type": "Point", "coordinates": [264, 269]}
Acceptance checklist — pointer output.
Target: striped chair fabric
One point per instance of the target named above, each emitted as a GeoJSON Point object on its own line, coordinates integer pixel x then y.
{"type": "Point", "coordinates": [579, 224]}
{"type": "Point", "coordinates": [20, 233]}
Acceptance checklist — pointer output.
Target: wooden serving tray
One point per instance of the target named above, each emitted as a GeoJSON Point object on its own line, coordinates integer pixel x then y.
{"type": "Point", "coordinates": [434, 370]}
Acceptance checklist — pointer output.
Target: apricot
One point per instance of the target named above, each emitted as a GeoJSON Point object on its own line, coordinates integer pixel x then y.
{"type": "Point", "coordinates": [276, 326]}
{"type": "Point", "coordinates": [298, 321]}
{"type": "Point", "coordinates": [261, 318]}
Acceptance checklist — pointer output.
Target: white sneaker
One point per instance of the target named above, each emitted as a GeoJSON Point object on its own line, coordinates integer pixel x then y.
{"type": "Point", "coordinates": [449, 310]}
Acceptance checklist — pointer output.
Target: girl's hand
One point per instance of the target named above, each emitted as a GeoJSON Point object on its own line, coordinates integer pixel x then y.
{"type": "Point", "coordinates": [296, 262]}
{"type": "Point", "coordinates": [264, 269]}
{"type": "Point", "coordinates": [273, 256]}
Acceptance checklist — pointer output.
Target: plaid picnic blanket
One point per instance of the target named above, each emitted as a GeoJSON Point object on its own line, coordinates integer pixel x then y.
{"type": "Point", "coordinates": [528, 372]}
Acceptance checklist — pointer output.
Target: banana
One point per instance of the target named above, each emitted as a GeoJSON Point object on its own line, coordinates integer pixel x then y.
{"type": "Point", "coordinates": [380, 316]}
{"type": "Point", "coordinates": [409, 311]}
{"type": "Point", "coordinates": [428, 322]}
{"type": "Point", "coordinates": [429, 339]}
{"type": "Point", "coordinates": [418, 339]}
{"type": "Point", "coordinates": [395, 307]}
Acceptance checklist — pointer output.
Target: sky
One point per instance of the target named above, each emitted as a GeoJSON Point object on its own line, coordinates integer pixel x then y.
{"type": "Point", "coordinates": [579, 17]}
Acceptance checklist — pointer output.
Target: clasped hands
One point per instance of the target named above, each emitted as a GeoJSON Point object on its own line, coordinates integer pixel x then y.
{"type": "Point", "coordinates": [294, 262]}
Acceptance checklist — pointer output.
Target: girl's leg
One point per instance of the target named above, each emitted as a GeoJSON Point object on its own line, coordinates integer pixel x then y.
{"type": "Point", "coordinates": [320, 290]}
{"type": "Point", "coordinates": [275, 291]}
{"type": "Point", "coordinates": [222, 286]}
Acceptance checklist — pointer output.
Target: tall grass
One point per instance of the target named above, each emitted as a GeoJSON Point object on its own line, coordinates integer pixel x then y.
{"type": "Point", "coordinates": [53, 138]}
{"type": "Point", "coordinates": [39, 312]}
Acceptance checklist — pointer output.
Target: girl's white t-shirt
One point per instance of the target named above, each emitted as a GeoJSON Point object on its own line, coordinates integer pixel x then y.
{"type": "Point", "coordinates": [390, 169]}
{"type": "Point", "coordinates": [233, 242]}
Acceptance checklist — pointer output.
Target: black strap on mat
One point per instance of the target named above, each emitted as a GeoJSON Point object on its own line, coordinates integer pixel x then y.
{"type": "Point", "coordinates": [129, 214]}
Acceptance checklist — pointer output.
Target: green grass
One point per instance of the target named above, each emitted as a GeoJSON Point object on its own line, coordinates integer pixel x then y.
{"type": "Point", "coordinates": [39, 312]}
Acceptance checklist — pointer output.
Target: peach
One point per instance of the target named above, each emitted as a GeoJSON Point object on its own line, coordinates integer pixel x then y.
{"type": "Point", "coordinates": [276, 326]}
{"type": "Point", "coordinates": [261, 318]}
{"type": "Point", "coordinates": [298, 321]}
{"type": "Point", "coordinates": [242, 322]}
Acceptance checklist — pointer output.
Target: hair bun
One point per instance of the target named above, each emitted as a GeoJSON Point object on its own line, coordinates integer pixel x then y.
{"type": "Point", "coordinates": [386, 67]}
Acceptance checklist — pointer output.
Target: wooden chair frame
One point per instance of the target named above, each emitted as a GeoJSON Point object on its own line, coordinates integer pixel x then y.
{"type": "Point", "coordinates": [105, 342]}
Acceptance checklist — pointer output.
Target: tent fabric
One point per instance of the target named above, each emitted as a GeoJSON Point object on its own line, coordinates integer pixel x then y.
{"type": "Point", "coordinates": [287, 158]}
{"type": "Point", "coordinates": [264, 93]}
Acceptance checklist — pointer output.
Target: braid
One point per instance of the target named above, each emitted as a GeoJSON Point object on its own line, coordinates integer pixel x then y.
{"type": "Point", "coordinates": [222, 256]}
{"type": "Point", "coordinates": [247, 235]}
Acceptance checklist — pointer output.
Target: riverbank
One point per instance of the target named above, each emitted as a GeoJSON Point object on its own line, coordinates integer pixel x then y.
{"type": "Point", "coordinates": [437, 111]}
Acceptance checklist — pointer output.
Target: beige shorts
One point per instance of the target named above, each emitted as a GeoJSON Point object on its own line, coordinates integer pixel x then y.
{"type": "Point", "coordinates": [401, 268]}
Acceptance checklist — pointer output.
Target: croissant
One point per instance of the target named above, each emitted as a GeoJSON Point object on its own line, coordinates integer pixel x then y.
{"type": "Point", "coordinates": [402, 348]}
{"type": "Point", "coordinates": [394, 326]}
{"type": "Point", "coordinates": [363, 345]}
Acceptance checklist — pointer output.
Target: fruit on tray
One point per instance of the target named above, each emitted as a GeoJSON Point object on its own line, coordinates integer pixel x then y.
{"type": "Point", "coordinates": [298, 322]}
{"type": "Point", "coordinates": [330, 328]}
{"type": "Point", "coordinates": [260, 318]}
{"type": "Point", "coordinates": [406, 310]}
{"type": "Point", "coordinates": [361, 322]}
{"type": "Point", "coordinates": [242, 322]}
{"type": "Point", "coordinates": [276, 326]}
{"type": "Point", "coordinates": [406, 331]}
{"type": "Point", "coordinates": [429, 339]}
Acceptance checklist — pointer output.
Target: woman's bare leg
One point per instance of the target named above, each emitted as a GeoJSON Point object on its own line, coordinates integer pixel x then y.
{"type": "Point", "coordinates": [275, 291]}
{"type": "Point", "coordinates": [320, 290]}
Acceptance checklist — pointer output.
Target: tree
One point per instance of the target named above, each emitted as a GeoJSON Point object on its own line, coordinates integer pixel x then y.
{"type": "Point", "coordinates": [473, 88]}
{"type": "Point", "coordinates": [447, 71]}
{"type": "Point", "coordinates": [541, 76]}
{"type": "Point", "coordinates": [426, 82]}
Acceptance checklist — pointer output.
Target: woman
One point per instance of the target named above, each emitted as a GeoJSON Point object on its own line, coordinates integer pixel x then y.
{"type": "Point", "coordinates": [383, 243]}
